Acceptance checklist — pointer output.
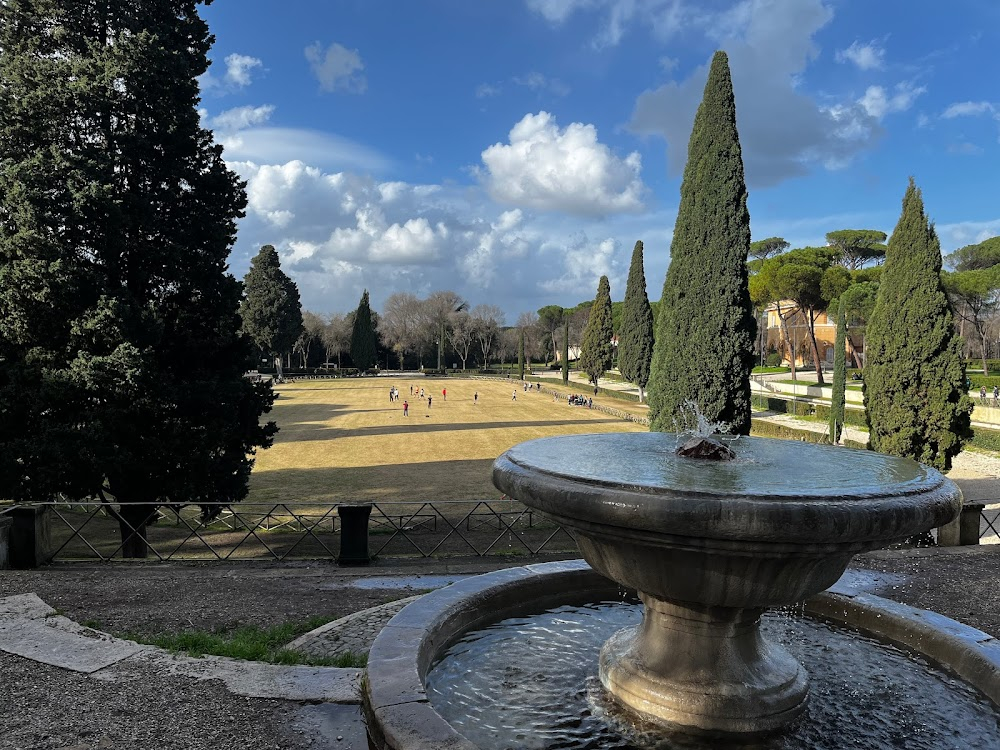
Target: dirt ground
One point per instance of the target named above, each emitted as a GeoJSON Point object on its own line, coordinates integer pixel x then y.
{"type": "Point", "coordinates": [960, 582]}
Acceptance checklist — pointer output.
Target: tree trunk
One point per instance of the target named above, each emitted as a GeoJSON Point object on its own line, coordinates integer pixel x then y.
{"type": "Point", "coordinates": [641, 394]}
{"type": "Point", "coordinates": [785, 338]}
{"type": "Point", "coordinates": [985, 345]}
{"type": "Point", "coordinates": [815, 347]}
{"type": "Point", "coordinates": [132, 523]}
{"type": "Point", "coordinates": [278, 371]}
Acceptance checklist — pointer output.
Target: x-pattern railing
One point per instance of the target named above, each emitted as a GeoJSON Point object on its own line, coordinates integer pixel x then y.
{"type": "Point", "coordinates": [990, 523]}
{"type": "Point", "coordinates": [280, 531]}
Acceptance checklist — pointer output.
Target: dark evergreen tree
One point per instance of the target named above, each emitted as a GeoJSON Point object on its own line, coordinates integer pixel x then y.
{"type": "Point", "coordinates": [915, 397]}
{"type": "Point", "coordinates": [597, 350]}
{"type": "Point", "coordinates": [271, 310]}
{"type": "Point", "coordinates": [565, 350]}
{"type": "Point", "coordinates": [121, 359]}
{"type": "Point", "coordinates": [635, 337]}
{"type": "Point", "coordinates": [520, 353]}
{"type": "Point", "coordinates": [839, 374]}
{"type": "Point", "coordinates": [364, 341]}
{"type": "Point", "coordinates": [705, 327]}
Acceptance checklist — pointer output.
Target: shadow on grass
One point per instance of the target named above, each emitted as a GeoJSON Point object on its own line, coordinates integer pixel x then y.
{"type": "Point", "coordinates": [311, 431]}
{"type": "Point", "coordinates": [417, 482]}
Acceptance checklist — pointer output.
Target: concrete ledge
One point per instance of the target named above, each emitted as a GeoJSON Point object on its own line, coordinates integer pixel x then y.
{"type": "Point", "coordinates": [400, 717]}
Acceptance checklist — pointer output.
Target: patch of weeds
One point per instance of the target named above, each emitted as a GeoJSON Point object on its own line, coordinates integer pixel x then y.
{"type": "Point", "coordinates": [247, 642]}
{"type": "Point", "coordinates": [92, 624]}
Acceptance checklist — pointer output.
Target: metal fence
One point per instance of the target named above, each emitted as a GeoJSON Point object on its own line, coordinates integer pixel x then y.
{"type": "Point", "coordinates": [285, 531]}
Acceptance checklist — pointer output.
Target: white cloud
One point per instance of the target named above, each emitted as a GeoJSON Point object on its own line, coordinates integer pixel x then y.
{"type": "Point", "coordinates": [783, 131]}
{"type": "Point", "coordinates": [273, 145]}
{"type": "Point", "coordinates": [868, 56]}
{"type": "Point", "coordinates": [339, 232]}
{"type": "Point", "coordinates": [968, 109]}
{"type": "Point", "coordinates": [960, 234]}
{"type": "Point", "coordinates": [487, 90]}
{"type": "Point", "coordinates": [237, 75]}
{"type": "Point", "coordinates": [964, 149]}
{"type": "Point", "coordinates": [584, 262]}
{"type": "Point", "coordinates": [238, 69]}
{"type": "Point", "coordinates": [542, 84]}
{"type": "Point", "coordinates": [553, 169]}
{"type": "Point", "coordinates": [337, 68]}
{"type": "Point", "coordinates": [558, 11]}
{"type": "Point", "coordinates": [878, 103]}
{"type": "Point", "coordinates": [240, 118]}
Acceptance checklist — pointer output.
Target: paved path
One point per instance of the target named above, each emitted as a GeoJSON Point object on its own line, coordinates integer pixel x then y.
{"type": "Point", "coordinates": [31, 629]}
{"type": "Point", "coordinates": [352, 634]}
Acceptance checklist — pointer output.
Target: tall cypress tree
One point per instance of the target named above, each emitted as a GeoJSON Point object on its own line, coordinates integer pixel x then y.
{"type": "Point", "coordinates": [271, 310]}
{"type": "Point", "coordinates": [839, 374]}
{"type": "Point", "coordinates": [635, 340]}
{"type": "Point", "coordinates": [121, 358]}
{"type": "Point", "coordinates": [914, 385]}
{"type": "Point", "coordinates": [565, 350]}
{"type": "Point", "coordinates": [597, 350]}
{"type": "Point", "coordinates": [363, 338]}
{"type": "Point", "coordinates": [705, 327]}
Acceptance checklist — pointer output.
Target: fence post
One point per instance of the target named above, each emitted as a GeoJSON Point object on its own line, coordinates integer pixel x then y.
{"type": "Point", "coordinates": [5, 524]}
{"type": "Point", "coordinates": [30, 536]}
{"type": "Point", "coordinates": [354, 534]}
{"type": "Point", "coordinates": [963, 530]}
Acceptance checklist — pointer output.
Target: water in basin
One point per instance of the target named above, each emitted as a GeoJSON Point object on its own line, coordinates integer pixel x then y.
{"type": "Point", "coordinates": [531, 682]}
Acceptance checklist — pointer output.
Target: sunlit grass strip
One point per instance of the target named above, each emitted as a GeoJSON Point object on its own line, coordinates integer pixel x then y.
{"type": "Point", "coordinates": [251, 643]}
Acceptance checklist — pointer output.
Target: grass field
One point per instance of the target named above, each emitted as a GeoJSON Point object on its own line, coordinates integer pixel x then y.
{"type": "Point", "coordinates": [343, 441]}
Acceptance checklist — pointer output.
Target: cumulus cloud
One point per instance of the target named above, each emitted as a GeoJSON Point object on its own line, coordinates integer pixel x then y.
{"type": "Point", "coordinates": [238, 75]}
{"type": "Point", "coordinates": [877, 102]}
{"type": "Point", "coordinates": [566, 169]}
{"type": "Point", "coordinates": [960, 234]}
{"type": "Point", "coordinates": [240, 118]}
{"type": "Point", "coordinates": [868, 56]}
{"type": "Point", "coordinates": [337, 68]}
{"type": "Point", "coordinates": [238, 69]}
{"type": "Point", "coordinates": [340, 232]}
{"type": "Point", "coordinates": [783, 131]}
{"type": "Point", "coordinates": [583, 263]}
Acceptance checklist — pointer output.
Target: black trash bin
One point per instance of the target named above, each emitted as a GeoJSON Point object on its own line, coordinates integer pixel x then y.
{"type": "Point", "coordinates": [354, 534]}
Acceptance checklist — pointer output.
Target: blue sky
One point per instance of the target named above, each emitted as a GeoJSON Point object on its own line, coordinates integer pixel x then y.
{"type": "Point", "coordinates": [514, 150]}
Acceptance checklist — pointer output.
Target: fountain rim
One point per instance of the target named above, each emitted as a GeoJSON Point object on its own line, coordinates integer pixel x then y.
{"type": "Point", "coordinates": [592, 505]}
{"type": "Point", "coordinates": [400, 716]}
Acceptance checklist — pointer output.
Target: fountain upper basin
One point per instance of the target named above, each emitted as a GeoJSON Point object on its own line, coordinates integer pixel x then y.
{"type": "Point", "coordinates": [774, 526]}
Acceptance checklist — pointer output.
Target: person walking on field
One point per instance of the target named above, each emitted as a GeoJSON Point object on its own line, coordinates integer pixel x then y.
{"type": "Point", "coordinates": [444, 394]}
{"type": "Point", "coordinates": [475, 398]}
{"type": "Point", "coordinates": [429, 399]}
{"type": "Point", "coordinates": [982, 395]}
{"type": "Point", "coordinates": [406, 408]}
{"type": "Point", "coordinates": [513, 395]}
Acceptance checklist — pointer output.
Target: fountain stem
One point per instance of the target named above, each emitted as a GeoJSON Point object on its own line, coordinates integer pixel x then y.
{"type": "Point", "coordinates": [703, 668]}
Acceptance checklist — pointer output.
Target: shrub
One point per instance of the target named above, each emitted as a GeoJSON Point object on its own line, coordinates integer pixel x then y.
{"type": "Point", "coordinates": [773, 359]}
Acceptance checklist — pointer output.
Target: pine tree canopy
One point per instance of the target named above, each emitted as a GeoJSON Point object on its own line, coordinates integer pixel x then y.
{"type": "Point", "coordinates": [635, 336]}
{"type": "Point", "coordinates": [364, 341]}
{"type": "Point", "coordinates": [914, 385]}
{"type": "Point", "coordinates": [271, 311]}
{"type": "Point", "coordinates": [705, 326]}
{"type": "Point", "coordinates": [121, 360]}
{"type": "Point", "coordinates": [597, 350]}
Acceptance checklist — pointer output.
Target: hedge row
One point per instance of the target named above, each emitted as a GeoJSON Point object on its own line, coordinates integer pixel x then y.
{"type": "Point", "coordinates": [988, 440]}
{"type": "Point", "coordinates": [763, 428]}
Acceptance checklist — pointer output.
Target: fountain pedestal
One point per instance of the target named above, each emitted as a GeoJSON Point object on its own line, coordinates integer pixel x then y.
{"type": "Point", "coordinates": [705, 667]}
{"type": "Point", "coordinates": [709, 545]}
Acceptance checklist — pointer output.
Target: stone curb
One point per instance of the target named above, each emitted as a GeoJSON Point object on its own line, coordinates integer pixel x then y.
{"type": "Point", "coordinates": [353, 633]}
{"type": "Point", "coordinates": [31, 629]}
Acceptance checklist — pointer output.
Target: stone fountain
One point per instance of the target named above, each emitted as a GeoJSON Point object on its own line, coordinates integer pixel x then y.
{"type": "Point", "coordinates": [710, 545]}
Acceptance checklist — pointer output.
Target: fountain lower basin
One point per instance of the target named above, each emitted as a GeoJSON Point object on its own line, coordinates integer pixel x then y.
{"type": "Point", "coordinates": [709, 546]}
{"type": "Point", "coordinates": [400, 715]}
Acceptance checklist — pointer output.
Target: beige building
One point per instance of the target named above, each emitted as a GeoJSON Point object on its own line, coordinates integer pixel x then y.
{"type": "Point", "coordinates": [798, 334]}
